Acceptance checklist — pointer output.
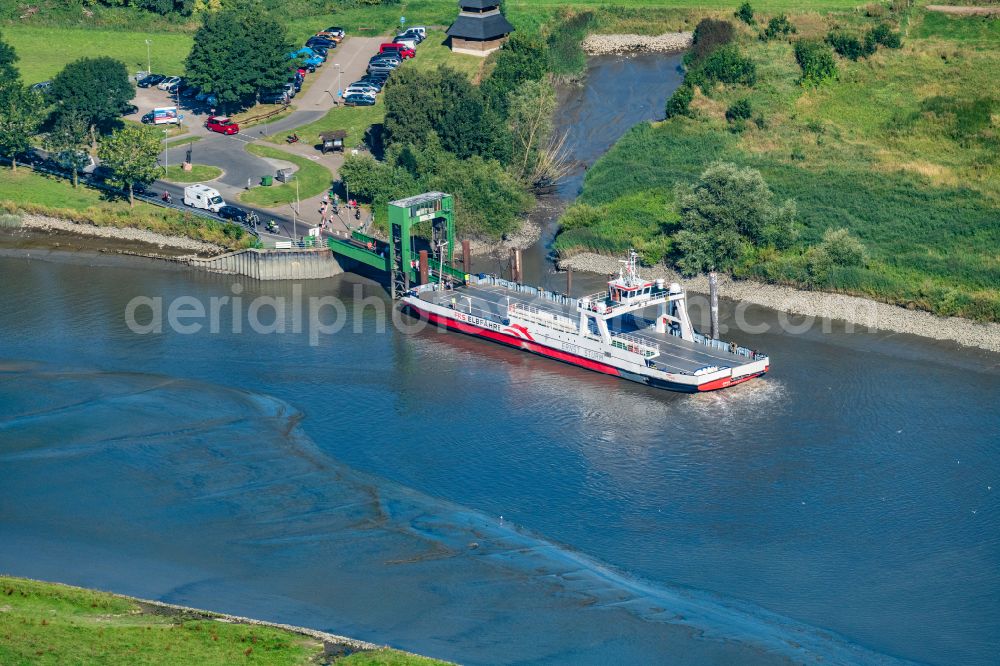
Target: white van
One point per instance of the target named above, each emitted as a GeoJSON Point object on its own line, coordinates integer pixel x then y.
{"type": "Point", "coordinates": [203, 196]}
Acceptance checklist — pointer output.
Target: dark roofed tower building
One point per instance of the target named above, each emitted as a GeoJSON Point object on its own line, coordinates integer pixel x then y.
{"type": "Point", "coordinates": [480, 28]}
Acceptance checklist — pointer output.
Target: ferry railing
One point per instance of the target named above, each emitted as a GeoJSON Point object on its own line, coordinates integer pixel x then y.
{"type": "Point", "coordinates": [634, 344]}
{"type": "Point", "coordinates": [730, 347]}
{"type": "Point", "coordinates": [544, 317]}
{"type": "Point", "coordinates": [527, 290]}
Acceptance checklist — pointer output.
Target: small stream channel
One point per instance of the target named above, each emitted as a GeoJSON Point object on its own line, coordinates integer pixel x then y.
{"type": "Point", "coordinates": [618, 93]}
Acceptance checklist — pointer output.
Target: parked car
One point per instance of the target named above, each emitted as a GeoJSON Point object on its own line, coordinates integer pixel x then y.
{"type": "Point", "coordinates": [412, 34]}
{"type": "Point", "coordinates": [313, 42]}
{"type": "Point", "coordinates": [408, 42]}
{"type": "Point", "coordinates": [306, 56]}
{"type": "Point", "coordinates": [381, 68]}
{"type": "Point", "coordinates": [392, 59]}
{"type": "Point", "coordinates": [234, 213]}
{"type": "Point", "coordinates": [376, 83]}
{"type": "Point", "coordinates": [336, 34]}
{"type": "Point", "coordinates": [222, 125]}
{"type": "Point", "coordinates": [360, 88]}
{"type": "Point", "coordinates": [359, 100]}
{"type": "Point", "coordinates": [290, 90]}
{"type": "Point", "coordinates": [273, 97]}
{"type": "Point", "coordinates": [150, 80]}
{"type": "Point", "coordinates": [169, 84]}
{"type": "Point", "coordinates": [419, 29]}
{"type": "Point", "coordinates": [129, 109]}
{"type": "Point", "coordinates": [321, 51]}
{"type": "Point", "coordinates": [404, 52]}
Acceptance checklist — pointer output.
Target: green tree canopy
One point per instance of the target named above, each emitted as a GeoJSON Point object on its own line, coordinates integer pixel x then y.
{"type": "Point", "coordinates": [444, 103]}
{"type": "Point", "coordinates": [20, 116]}
{"type": "Point", "coordinates": [68, 138]}
{"type": "Point", "coordinates": [728, 211]}
{"type": "Point", "coordinates": [522, 58]}
{"type": "Point", "coordinates": [95, 89]}
{"type": "Point", "coordinates": [237, 52]}
{"type": "Point", "coordinates": [132, 153]}
{"type": "Point", "coordinates": [8, 61]}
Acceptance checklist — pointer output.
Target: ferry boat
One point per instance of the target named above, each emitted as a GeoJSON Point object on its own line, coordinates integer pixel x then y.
{"type": "Point", "coordinates": [605, 332]}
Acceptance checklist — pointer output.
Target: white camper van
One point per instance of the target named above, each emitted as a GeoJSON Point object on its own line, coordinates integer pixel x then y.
{"type": "Point", "coordinates": [203, 196]}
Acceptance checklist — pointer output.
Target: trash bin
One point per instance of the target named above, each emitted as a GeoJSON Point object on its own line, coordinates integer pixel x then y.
{"type": "Point", "coordinates": [267, 181]}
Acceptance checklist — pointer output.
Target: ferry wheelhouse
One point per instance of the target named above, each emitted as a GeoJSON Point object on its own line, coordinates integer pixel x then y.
{"type": "Point", "coordinates": [607, 332]}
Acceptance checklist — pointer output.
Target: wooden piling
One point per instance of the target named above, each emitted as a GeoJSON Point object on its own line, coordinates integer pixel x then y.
{"type": "Point", "coordinates": [569, 281]}
{"type": "Point", "coordinates": [423, 267]}
{"type": "Point", "coordinates": [466, 257]}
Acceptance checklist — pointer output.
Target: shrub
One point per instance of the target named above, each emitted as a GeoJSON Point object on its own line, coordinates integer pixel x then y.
{"type": "Point", "coordinates": [777, 27]}
{"type": "Point", "coordinates": [816, 60]}
{"type": "Point", "coordinates": [740, 110]}
{"type": "Point", "coordinates": [745, 13]}
{"type": "Point", "coordinates": [679, 103]}
{"type": "Point", "coordinates": [848, 45]}
{"type": "Point", "coordinates": [709, 35]}
{"type": "Point", "coordinates": [728, 65]}
{"type": "Point", "coordinates": [883, 35]}
{"type": "Point", "coordinates": [566, 54]}
{"type": "Point", "coordinates": [843, 248]}
{"type": "Point", "coordinates": [10, 221]}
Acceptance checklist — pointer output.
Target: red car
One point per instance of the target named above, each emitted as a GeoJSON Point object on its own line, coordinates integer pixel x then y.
{"type": "Point", "coordinates": [401, 49]}
{"type": "Point", "coordinates": [222, 125]}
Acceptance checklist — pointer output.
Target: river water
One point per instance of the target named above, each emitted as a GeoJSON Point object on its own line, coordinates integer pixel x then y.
{"type": "Point", "coordinates": [451, 497]}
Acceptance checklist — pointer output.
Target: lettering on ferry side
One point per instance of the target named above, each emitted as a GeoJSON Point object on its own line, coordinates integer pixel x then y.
{"type": "Point", "coordinates": [476, 321]}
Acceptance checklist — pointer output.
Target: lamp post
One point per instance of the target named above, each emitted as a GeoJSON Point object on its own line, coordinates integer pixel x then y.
{"type": "Point", "coordinates": [166, 152]}
{"type": "Point", "coordinates": [339, 88]}
{"type": "Point", "coordinates": [149, 65]}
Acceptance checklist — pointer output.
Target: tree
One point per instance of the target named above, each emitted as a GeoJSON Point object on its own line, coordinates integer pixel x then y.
{"type": "Point", "coordinates": [522, 58]}
{"type": "Point", "coordinates": [529, 118]}
{"type": "Point", "coordinates": [8, 58]}
{"type": "Point", "coordinates": [745, 13]}
{"type": "Point", "coordinates": [20, 116]}
{"type": "Point", "coordinates": [95, 89]}
{"type": "Point", "coordinates": [237, 52]}
{"type": "Point", "coordinates": [726, 213]}
{"type": "Point", "coordinates": [132, 154]}
{"type": "Point", "coordinates": [816, 61]}
{"type": "Point", "coordinates": [68, 139]}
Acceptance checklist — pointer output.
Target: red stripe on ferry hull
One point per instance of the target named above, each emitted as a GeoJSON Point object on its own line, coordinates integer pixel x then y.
{"type": "Point", "coordinates": [520, 343]}
{"type": "Point", "coordinates": [726, 382]}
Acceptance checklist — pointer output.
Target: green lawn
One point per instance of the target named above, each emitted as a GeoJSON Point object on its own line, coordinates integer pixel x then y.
{"type": "Point", "coordinates": [199, 173]}
{"type": "Point", "coordinates": [42, 623]}
{"type": "Point", "coordinates": [37, 193]}
{"type": "Point", "coordinates": [354, 119]}
{"type": "Point", "coordinates": [44, 51]}
{"type": "Point", "coordinates": [434, 52]}
{"type": "Point", "coordinates": [312, 179]}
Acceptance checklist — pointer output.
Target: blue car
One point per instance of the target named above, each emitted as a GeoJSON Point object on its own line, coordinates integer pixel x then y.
{"type": "Point", "coordinates": [306, 56]}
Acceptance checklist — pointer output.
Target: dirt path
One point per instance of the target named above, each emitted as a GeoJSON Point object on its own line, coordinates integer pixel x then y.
{"type": "Point", "coordinates": [964, 10]}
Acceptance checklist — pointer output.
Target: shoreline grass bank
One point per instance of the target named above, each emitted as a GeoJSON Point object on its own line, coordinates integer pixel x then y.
{"type": "Point", "coordinates": [54, 623]}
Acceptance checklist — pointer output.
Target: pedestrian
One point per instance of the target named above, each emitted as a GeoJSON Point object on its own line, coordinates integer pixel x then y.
{"type": "Point", "coordinates": [326, 198]}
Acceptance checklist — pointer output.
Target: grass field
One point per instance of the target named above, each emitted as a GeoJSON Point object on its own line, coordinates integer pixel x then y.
{"type": "Point", "coordinates": [42, 623]}
{"type": "Point", "coordinates": [902, 149]}
{"type": "Point", "coordinates": [37, 193]}
{"type": "Point", "coordinates": [312, 180]}
{"type": "Point", "coordinates": [199, 173]}
{"type": "Point", "coordinates": [44, 51]}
